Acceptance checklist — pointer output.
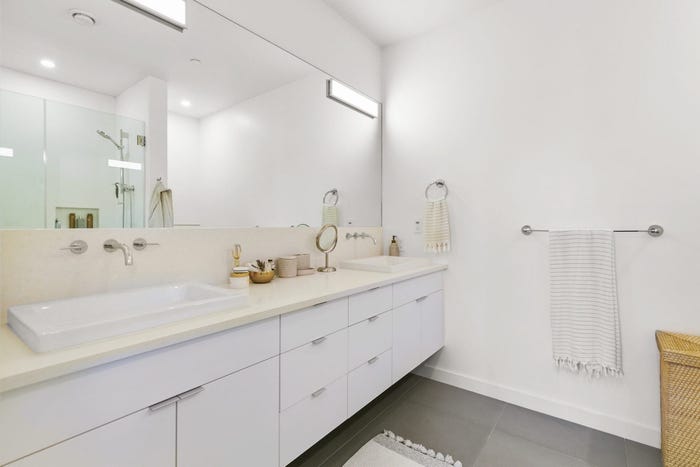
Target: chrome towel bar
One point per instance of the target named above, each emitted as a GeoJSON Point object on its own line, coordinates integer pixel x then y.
{"type": "Point", "coordinates": [653, 230]}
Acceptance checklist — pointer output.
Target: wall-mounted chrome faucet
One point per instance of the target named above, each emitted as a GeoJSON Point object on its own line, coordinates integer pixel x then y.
{"type": "Point", "coordinates": [111, 245]}
{"type": "Point", "coordinates": [356, 235]}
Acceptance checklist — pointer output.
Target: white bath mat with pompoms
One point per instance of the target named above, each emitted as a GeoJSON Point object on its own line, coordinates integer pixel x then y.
{"type": "Point", "coordinates": [388, 449]}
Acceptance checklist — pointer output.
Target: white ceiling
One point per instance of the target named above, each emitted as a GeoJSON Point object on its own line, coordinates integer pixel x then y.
{"type": "Point", "coordinates": [387, 22]}
{"type": "Point", "coordinates": [125, 47]}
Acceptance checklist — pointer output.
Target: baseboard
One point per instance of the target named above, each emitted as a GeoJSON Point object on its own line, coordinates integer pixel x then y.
{"type": "Point", "coordinates": [583, 416]}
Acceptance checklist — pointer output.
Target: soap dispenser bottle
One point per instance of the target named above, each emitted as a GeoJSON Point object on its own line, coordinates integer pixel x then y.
{"type": "Point", "coordinates": [393, 247]}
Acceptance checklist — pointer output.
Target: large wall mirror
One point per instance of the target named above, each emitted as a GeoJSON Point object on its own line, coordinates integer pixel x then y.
{"type": "Point", "coordinates": [107, 114]}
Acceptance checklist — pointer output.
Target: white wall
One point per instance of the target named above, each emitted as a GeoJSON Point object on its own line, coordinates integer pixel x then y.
{"type": "Point", "coordinates": [555, 114]}
{"type": "Point", "coordinates": [23, 83]}
{"type": "Point", "coordinates": [183, 168]}
{"type": "Point", "coordinates": [313, 31]}
{"type": "Point", "coordinates": [147, 101]}
{"type": "Point", "coordinates": [269, 160]}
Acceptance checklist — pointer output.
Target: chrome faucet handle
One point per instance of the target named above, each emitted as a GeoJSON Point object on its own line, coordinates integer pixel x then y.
{"type": "Point", "coordinates": [141, 244]}
{"type": "Point", "coordinates": [77, 247]}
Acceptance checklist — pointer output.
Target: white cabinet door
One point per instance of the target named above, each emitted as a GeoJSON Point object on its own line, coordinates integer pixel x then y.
{"type": "Point", "coordinates": [432, 324]}
{"type": "Point", "coordinates": [232, 421]}
{"type": "Point", "coordinates": [407, 340]}
{"type": "Point", "coordinates": [142, 439]}
{"type": "Point", "coordinates": [419, 332]}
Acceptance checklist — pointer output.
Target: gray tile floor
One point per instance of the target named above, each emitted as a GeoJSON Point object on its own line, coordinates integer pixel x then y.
{"type": "Point", "coordinates": [477, 430]}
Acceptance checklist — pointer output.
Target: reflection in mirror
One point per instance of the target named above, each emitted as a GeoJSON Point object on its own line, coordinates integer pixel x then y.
{"type": "Point", "coordinates": [326, 241]}
{"type": "Point", "coordinates": [240, 131]}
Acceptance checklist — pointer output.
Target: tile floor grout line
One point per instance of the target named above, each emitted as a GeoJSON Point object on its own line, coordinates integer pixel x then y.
{"type": "Point", "coordinates": [493, 428]}
{"type": "Point", "coordinates": [369, 422]}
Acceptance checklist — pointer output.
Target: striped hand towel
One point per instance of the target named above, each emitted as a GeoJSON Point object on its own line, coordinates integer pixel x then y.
{"type": "Point", "coordinates": [583, 302]}
{"type": "Point", "coordinates": [436, 226]}
{"type": "Point", "coordinates": [329, 215]}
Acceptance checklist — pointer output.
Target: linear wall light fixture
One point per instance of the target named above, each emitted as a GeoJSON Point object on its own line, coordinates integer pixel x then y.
{"type": "Point", "coordinates": [347, 96]}
{"type": "Point", "coordinates": [123, 164]}
{"type": "Point", "coordinates": [7, 152]}
{"type": "Point", "coordinates": [172, 13]}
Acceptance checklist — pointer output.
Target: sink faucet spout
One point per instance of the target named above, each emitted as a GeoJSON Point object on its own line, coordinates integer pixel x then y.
{"type": "Point", "coordinates": [112, 245]}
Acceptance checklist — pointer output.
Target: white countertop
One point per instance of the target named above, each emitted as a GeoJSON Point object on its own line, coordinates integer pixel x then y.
{"type": "Point", "coordinates": [20, 366]}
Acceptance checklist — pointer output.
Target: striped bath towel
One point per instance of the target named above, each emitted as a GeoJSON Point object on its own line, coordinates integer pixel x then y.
{"type": "Point", "coordinates": [436, 226]}
{"type": "Point", "coordinates": [583, 302]}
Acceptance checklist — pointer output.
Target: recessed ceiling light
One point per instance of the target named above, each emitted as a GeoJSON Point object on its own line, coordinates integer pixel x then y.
{"type": "Point", "coordinates": [83, 18]}
{"type": "Point", "coordinates": [185, 103]}
{"type": "Point", "coordinates": [47, 63]}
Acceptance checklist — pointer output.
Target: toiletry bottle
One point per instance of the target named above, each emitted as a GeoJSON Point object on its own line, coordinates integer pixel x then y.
{"type": "Point", "coordinates": [90, 223]}
{"type": "Point", "coordinates": [71, 220]}
{"type": "Point", "coordinates": [394, 247]}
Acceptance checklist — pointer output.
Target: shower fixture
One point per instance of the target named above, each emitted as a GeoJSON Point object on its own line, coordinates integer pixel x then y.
{"type": "Point", "coordinates": [121, 187]}
{"type": "Point", "coordinates": [107, 137]}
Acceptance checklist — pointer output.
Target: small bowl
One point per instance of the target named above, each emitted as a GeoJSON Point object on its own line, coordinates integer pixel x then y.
{"type": "Point", "coordinates": [262, 277]}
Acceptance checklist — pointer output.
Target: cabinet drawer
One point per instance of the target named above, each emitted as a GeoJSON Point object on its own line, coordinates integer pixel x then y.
{"type": "Point", "coordinates": [312, 366]}
{"type": "Point", "coordinates": [303, 326]}
{"type": "Point", "coordinates": [306, 422]}
{"type": "Point", "coordinates": [370, 303]}
{"type": "Point", "coordinates": [412, 289]}
{"type": "Point", "coordinates": [368, 381]}
{"type": "Point", "coordinates": [31, 418]}
{"type": "Point", "coordinates": [368, 339]}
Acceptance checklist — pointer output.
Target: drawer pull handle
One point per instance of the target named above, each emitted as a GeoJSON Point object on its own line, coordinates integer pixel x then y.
{"type": "Point", "coordinates": [421, 299]}
{"type": "Point", "coordinates": [318, 393]}
{"type": "Point", "coordinates": [319, 304]}
{"type": "Point", "coordinates": [372, 360]}
{"type": "Point", "coordinates": [373, 318]}
{"type": "Point", "coordinates": [318, 341]}
{"type": "Point", "coordinates": [190, 393]}
{"type": "Point", "coordinates": [372, 290]}
{"type": "Point", "coordinates": [163, 404]}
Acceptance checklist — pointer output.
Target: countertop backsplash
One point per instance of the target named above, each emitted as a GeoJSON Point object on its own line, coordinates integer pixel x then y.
{"type": "Point", "coordinates": [34, 268]}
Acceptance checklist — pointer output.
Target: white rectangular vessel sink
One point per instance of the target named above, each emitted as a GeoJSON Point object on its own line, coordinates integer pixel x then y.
{"type": "Point", "coordinates": [384, 263]}
{"type": "Point", "coordinates": [62, 323]}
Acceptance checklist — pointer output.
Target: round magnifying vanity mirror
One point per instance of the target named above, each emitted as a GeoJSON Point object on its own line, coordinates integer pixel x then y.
{"type": "Point", "coordinates": [326, 241]}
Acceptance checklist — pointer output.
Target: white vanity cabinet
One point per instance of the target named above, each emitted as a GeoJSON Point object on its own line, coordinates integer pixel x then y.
{"type": "Point", "coordinates": [258, 394]}
{"type": "Point", "coordinates": [45, 414]}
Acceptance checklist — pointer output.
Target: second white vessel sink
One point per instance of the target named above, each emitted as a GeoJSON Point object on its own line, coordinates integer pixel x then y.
{"type": "Point", "coordinates": [384, 263]}
{"type": "Point", "coordinates": [62, 323]}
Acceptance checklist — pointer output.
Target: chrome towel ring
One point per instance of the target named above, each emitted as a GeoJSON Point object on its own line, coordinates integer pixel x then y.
{"type": "Point", "coordinates": [439, 183]}
{"type": "Point", "coordinates": [333, 195]}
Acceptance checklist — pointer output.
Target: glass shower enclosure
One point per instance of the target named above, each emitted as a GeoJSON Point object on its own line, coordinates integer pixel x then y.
{"type": "Point", "coordinates": [65, 166]}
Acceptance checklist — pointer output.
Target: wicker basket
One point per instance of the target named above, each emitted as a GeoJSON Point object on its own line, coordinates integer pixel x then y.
{"type": "Point", "coordinates": [680, 398]}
